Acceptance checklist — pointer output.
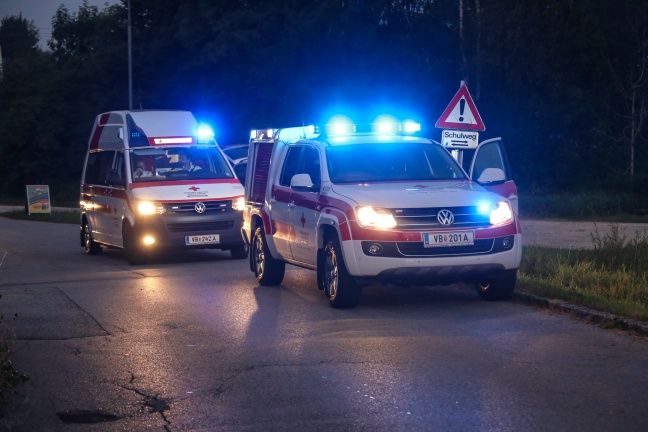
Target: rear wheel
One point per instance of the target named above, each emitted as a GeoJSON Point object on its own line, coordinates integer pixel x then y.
{"type": "Point", "coordinates": [91, 246]}
{"type": "Point", "coordinates": [240, 251]}
{"type": "Point", "coordinates": [498, 289]}
{"type": "Point", "coordinates": [340, 287]}
{"type": "Point", "coordinates": [267, 270]}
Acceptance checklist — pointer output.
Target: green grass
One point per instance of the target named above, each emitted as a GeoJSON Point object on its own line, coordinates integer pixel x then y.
{"type": "Point", "coordinates": [612, 277]}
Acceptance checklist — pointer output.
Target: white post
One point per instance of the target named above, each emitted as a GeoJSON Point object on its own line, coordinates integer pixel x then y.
{"type": "Point", "coordinates": [130, 61]}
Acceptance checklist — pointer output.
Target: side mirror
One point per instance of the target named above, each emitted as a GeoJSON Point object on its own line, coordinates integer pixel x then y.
{"type": "Point", "coordinates": [491, 175]}
{"type": "Point", "coordinates": [301, 182]}
{"type": "Point", "coordinates": [120, 134]}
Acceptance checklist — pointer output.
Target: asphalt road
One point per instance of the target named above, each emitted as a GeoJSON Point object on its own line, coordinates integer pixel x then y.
{"type": "Point", "coordinates": [191, 343]}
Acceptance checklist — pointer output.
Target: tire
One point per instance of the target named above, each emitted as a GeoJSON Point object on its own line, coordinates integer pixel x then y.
{"type": "Point", "coordinates": [267, 270]}
{"type": "Point", "coordinates": [240, 251]}
{"type": "Point", "coordinates": [341, 289]}
{"type": "Point", "coordinates": [498, 289]}
{"type": "Point", "coordinates": [135, 255]}
{"type": "Point", "coordinates": [91, 246]}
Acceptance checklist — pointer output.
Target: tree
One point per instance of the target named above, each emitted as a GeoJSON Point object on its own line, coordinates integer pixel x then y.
{"type": "Point", "coordinates": [627, 99]}
{"type": "Point", "coordinates": [18, 37]}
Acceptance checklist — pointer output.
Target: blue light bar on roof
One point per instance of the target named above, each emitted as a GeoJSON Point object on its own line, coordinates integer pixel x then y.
{"type": "Point", "coordinates": [205, 134]}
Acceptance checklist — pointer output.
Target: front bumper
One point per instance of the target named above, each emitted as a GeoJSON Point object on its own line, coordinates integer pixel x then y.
{"type": "Point", "coordinates": [170, 229]}
{"type": "Point", "coordinates": [410, 261]}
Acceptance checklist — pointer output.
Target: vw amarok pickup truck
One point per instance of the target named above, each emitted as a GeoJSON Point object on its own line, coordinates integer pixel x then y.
{"type": "Point", "coordinates": [157, 179]}
{"type": "Point", "coordinates": [363, 205]}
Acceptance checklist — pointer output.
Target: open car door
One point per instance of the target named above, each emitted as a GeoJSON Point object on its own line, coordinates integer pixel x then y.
{"type": "Point", "coordinates": [490, 168]}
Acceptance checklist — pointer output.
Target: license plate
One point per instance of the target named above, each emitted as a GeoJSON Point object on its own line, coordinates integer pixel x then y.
{"type": "Point", "coordinates": [202, 239]}
{"type": "Point", "coordinates": [448, 238]}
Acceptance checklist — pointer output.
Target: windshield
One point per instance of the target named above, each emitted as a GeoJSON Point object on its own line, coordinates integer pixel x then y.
{"type": "Point", "coordinates": [391, 162]}
{"type": "Point", "coordinates": [184, 163]}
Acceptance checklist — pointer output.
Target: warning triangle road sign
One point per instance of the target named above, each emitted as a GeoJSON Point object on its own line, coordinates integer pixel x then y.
{"type": "Point", "coordinates": [461, 113]}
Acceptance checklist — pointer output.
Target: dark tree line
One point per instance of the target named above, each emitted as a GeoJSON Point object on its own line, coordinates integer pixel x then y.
{"type": "Point", "coordinates": [564, 82]}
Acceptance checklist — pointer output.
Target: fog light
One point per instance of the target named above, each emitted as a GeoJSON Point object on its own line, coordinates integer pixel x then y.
{"type": "Point", "coordinates": [374, 249]}
{"type": "Point", "coordinates": [506, 242]}
{"type": "Point", "coordinates": [148, 240]}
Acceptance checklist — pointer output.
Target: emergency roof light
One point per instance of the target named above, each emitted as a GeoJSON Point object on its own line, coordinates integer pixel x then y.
{"type": "Point", "coordinates": [205, 134]}
{"type": "Point", "coordinates": [172, 140]}
{"type": "Point", "coordinates": [299, 132]}
{"type": "Point", "coordinates": [336, 129]}
{"type": "Point", "coordinates": [262, 133]}
{"type": "Point", "coordinates": [383, 128]}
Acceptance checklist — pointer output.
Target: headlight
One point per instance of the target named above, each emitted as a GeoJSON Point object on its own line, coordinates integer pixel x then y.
{"type": "Point", "coordinates": [501, 213]}
{"type": "Point", "coordinates": [375, 217]}
{"type": "Point", "coordinates": [238, 203]}
{"type": "Point", "coordinates": [149, 208]}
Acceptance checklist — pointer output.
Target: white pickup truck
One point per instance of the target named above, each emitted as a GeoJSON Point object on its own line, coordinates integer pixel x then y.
{"type": "Point", "coordinates": [367, 204]}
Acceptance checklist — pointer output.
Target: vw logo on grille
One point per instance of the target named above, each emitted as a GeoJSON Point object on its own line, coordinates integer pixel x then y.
{"type": "Point", "coordinates": [445, 217]}
{"type": "Point", "coordinates": [200, 207]}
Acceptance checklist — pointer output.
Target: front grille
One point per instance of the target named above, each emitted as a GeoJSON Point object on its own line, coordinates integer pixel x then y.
{"type": "Point", "coordinates": [210, 206]}
{"type": "Point", "coordinates": [426, 218]}
{"type": "Point", "coordinates": [417, 249]}
{"type": "Point", "coordinates": [200, 226]}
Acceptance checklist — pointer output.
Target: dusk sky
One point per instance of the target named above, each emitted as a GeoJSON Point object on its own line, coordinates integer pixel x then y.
{"type": "Point", "coordinates": [42, 11]}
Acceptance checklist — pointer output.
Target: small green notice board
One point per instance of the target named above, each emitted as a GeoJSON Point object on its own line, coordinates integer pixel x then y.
{"type": "Point", "coordinates": [38, 199]}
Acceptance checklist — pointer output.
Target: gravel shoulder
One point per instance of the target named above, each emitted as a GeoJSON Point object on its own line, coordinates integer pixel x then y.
{"type": "Point", "coordinates": [572, 235]}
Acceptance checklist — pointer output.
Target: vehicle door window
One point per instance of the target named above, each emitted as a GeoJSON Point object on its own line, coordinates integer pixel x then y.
{"type": "Point", "coordinates": [99, 165]}
{"type": "Point", "coordinates": [490, 156]}
{"type": "Point", "coordinates": [291, 165]}
{"type": "Point", "coordinates": [310, 164]}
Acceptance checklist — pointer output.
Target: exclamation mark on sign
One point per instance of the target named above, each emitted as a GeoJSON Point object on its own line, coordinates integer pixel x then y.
{"type": "Point", "coordinates": [462, 105]}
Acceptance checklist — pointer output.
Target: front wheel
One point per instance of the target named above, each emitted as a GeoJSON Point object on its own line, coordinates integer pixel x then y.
{"type": "Point", "coordinates": [341, 289]}
{"type": "Point", "coordinates": [498, 289]}
{"type": "Point", "coordinates": [91, 246]}
{"type": "Point", "coordinates": [267, 270]}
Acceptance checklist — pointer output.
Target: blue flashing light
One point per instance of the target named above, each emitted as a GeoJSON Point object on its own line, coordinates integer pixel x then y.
{"type": "Point", "coordinates": [484, 208]}
{"type": "Point", "coordinates": [411, 127]}
{"type": "Point", "coordinates": [385, 127]}
{"type": "Point", "coordinates": [205, 133]}
{"type": "Point", "coordinates": [340, 128]}
{"type": "Point", "coordinates": [339, 125]}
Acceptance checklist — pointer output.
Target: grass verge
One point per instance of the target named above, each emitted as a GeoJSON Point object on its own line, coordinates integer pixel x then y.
{"type": "Point", "coordinates": [612, 277]}
{"type": "Point", "coordinates": [66, 216]}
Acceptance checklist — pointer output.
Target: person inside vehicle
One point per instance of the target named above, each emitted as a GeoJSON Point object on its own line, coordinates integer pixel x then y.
{"type": "Point", "coordinates": [141, 171]}
{"type": "Point", "coordinates": [186, 164]}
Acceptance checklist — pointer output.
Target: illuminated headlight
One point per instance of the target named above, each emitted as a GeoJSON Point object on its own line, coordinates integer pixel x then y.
{"type": "Point", "coordinates": [501, 213]}
{"type": "Point", "coordinates": [238, 203]}
{"type": "Point", "coordinates": [375, 217]}
{"type": "Point", "coordinates": [149, 208]}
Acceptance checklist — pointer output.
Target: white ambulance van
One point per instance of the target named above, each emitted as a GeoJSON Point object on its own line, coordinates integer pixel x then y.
{"type": "Point", "coordinates": [157, 180]}
{"type": "Point", "coordinates": [367, 204]}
